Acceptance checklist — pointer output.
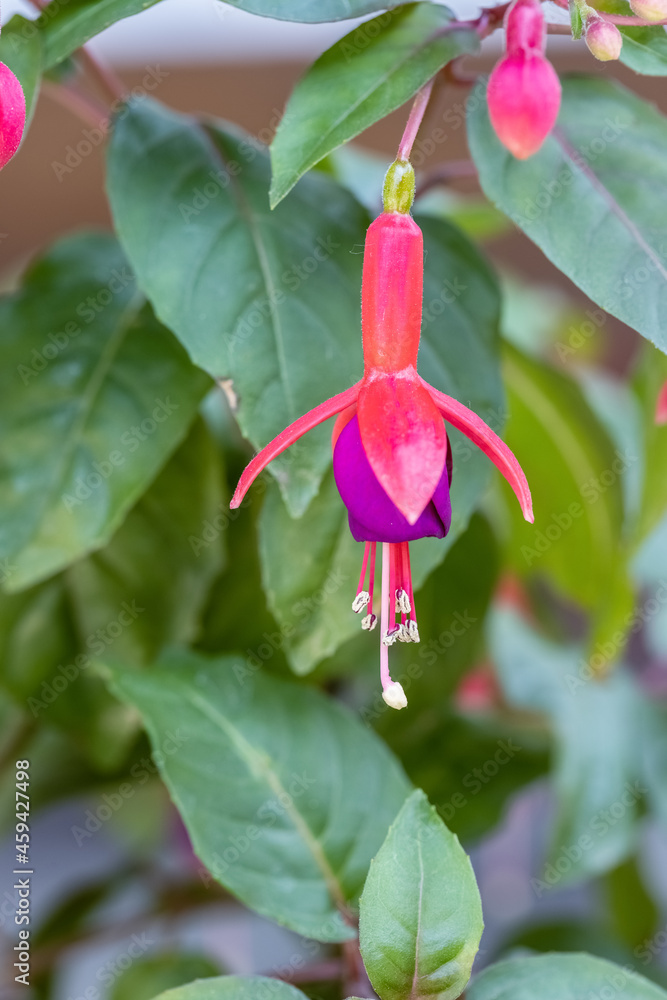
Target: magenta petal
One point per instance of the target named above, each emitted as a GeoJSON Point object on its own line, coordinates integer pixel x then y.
{"type": "Point", "coordinates": [373, 516]}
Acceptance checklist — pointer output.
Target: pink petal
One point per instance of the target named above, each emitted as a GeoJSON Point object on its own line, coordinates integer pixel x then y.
{"type": "Point", "coordinates": [404, 439]}
{"type": "Point", "coordinates": [291, 434]}
{"type": "Point", "coordinates": [661, 406]}
{"type": "Point", "coordinates": [494, 447]}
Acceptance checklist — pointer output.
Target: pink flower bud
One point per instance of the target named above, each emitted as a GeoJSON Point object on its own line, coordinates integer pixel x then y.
{"type": "Point", "coordinates": [650, 10]}
{"type": "Point", "coordinates": [524, 89]}
{"type": "Point", "coordinates": [12, 114]}
{"type": "Point", "coordinates": [603, 39]}
{"type": "Point", "coordinates": [524, 98]}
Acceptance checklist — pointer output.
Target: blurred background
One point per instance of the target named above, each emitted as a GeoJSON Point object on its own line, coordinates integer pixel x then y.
{"type": "Point", "coordinates": [117, 901]}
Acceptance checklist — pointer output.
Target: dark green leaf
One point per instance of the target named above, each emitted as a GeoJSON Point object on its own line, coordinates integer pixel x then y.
{"type": "Point", "coordinates": [420, 912]}
{"type": "Point", "coordinates": [156, 562]}
{"type": "Point", "coordinates": [69, 25]}
{"type": "Point", "coordinates": [145, 979]}
{"type": "Point", "coordinates": [235, 988]}
{"type": "Point", "coordinates": [286, 795]}
{"type": "Point", "coordinates": [312, 11]}
{"type": "Point", "coordinates": [598, 726]}
{"type": "Point", "coordinates": [95, 396]}
{"type": "Point", "coordinates": [21, 50]}
{"type": "Point", "coordinates": [590, 199]}
{"type": "Point", "coordinates": [269, 301]}
{"type": "Point", "coordinates": [372, 71]}
{"type": "Point", "coordinates": [551, 977]}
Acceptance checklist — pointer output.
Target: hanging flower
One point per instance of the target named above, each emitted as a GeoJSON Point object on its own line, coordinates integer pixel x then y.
{"type": "Point", "coordinates": [524, 90]}
{"type": "Point", "coordinates": [391, 455]}
{"type": "Point", "coordinates": [12, 114]}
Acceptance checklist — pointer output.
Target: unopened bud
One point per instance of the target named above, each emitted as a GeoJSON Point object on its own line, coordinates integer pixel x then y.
{"type": "Point", "coordinates": [525, 29]}
{"type": "Point", "coordinates": [650, 10]}
{"type": "Point", "coordinates": [394, 695]}
{"type": "Point", "coordinates": [603, 39]}
{"type": "Point", "coordinates": [524, 99]}
{"type": "Point", "coordinates": [12, 114]}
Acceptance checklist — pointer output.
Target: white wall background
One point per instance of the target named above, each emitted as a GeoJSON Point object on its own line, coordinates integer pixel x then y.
{"type": "Point", "coordinates": [212, 31]}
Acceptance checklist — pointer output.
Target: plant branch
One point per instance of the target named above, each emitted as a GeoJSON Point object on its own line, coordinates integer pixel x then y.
{"type": "Point", "coordinates": [415, 119]}
{"type": "Point", "coordinates": [618, 18]}
{"type": "Point", "coordinates": [85, 108]}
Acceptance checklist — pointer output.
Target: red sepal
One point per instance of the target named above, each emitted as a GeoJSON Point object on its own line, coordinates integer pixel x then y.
{"type": "Point", "coordinates": [329, 408]}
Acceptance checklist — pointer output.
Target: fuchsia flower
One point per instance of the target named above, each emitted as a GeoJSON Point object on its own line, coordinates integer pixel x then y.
{"type": "Point", "coordinates": [524, 90]}
{"type": "Point", "coordinates": [391, 456]}
{"type": "Point", "coordinates": [12, 114]}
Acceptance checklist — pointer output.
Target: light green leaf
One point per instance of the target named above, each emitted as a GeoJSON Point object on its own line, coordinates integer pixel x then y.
{"type": "Point", "coordinates": [95, 395]}
{"type": "Point", "coordinates": [70, 25]}
{"type": "Point", "coordinates": [372, 71]}
{"type": "Point", "coordinates": [21, 51]}
{"type": "Point", "coordinates": [552, 977]}
{"type": "Point", "coordinates": [645, 50]}
{"type": "Point", "coordinates": [588, 197]}
{"type": "Point", "coordinates": [269, 301]}
{"type": "Point", "coordinates": [285, 794]}
{"type": "Point", "coordinates": [156, 562]}
{"type": "Point", "coordinates": [575, 474]}
{"type": "Point", "coordinates": [234, 988]}
{"type": "Point", "coordinates": [420, 913]}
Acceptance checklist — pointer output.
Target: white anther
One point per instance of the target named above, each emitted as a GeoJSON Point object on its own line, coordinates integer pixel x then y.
{"type": "Point", "coordinates": [413, 631]}
{"type": "Point", "coordinates": [360, 601]}
{"type": "Point", "coordinates": [394, 695]}
{"type": "Point", "coordinates": [369, 622]}
{"type": "Point", "coordinates": [403, 634]}
{"type": "Point", "coordinates": [402, 602]}
{"type": "Point", "coordinates": [391, 635]}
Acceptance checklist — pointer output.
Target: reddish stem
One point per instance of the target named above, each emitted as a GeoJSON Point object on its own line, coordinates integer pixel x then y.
{"type": "Point", "coordinates": [83, 107]}
{"type": "Point", "coordinates": [414, 121]}
{"type": "Point", "coordinates": [618, 18]}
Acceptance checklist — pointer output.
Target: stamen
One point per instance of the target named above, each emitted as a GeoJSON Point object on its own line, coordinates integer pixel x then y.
{"type": "Point", "coordinates": [391, 635]}
{"type": "Point", "coordinates": [360, 601]}
{"type": "Point", "coordinates": [403, 602]}
{"type": "Point", "coordinates": [403, 633]}
{"type": "Point", "coordinates": [392, 692]}
{"type": "Point", "coordinates": [369, 622]}
{"type": "Point", "coordinates": [371, 578]}
{"type": "Point", "coordinates": [413, 631]}
{"type": "Point", "coordinates": [362, 578]}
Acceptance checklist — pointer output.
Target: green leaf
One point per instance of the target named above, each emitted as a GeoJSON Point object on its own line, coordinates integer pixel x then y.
{"type": "Point", "coordinates": [311, 595]}
{"type": "Point", "coordinates": [69, 26]}
{"type": "Point", "coordinates": [372, 71]}
{"type": "Point", "coordinates": [268, 301]}
{"type": "Point", "coordinates": [21, 51]}
{"type": "Point", "coordinates": [578, 977]}
{"type": "Point", "coordinates": [312, 13]}
{"type": "Point", "coordinates": [95, 394]}
{"type": "Point", "coordinates": [650, 375]}
{"type": "Point", "coordinates": [420, 912]}
{"type": "Point", "coordinates": [645, 50]}
{"type": "Point", "coordinates": [588, 197]}
{"type": "Point", "coordinates": [285, 794]}
{"type": "Point", "coordinates": [154, 562]}
{"type": "Point", "coordinates": [145, 979]}
{"type": "Point", "coordinates": [234, 988]}
{"type": "Point", "coordinates": [575, 474]}
{"type": "Point", "coordinates": [599, 729]}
